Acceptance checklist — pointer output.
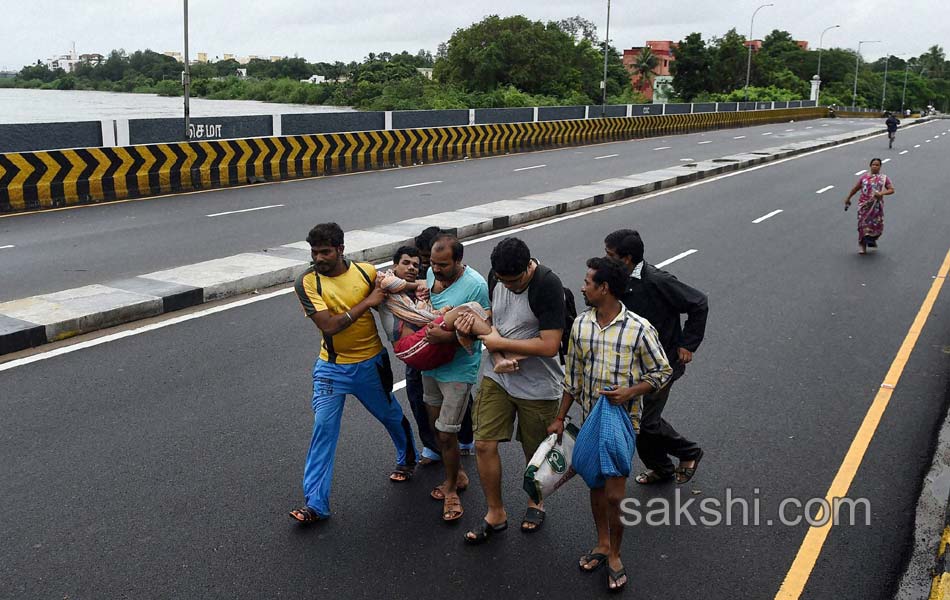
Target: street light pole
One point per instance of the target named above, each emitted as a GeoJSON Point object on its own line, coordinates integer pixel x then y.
{"type": "Point", "coordinates": [186, 79]}
{"type": "Point", "coordinates": [603, 83]}
{"type": "Point", "coordinates": [857, 61]}
{"type": "Point", "coordinates": [820, 39]}
{"type": "Point", "coordinates": [904, 93]}
{"type": "Point", "coordinates": [884, 91]}
{"type": "Point", "coordinates": [748, 66]}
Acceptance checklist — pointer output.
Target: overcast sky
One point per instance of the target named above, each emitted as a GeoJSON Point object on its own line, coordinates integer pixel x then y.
{"type": "Point", "coordinates": [337, 30]}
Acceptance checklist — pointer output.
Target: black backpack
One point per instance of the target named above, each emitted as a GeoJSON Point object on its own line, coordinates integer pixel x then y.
{"type": "Point", "coordinates": [570, 310]}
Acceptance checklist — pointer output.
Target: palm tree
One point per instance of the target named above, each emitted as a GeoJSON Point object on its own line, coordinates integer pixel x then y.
{"type": "Point", "coordinates": [643, 66]}
{"type": "Point", "coordinates": [933, 60]}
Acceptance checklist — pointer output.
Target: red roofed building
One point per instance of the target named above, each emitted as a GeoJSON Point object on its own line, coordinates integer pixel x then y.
{"type": "Point", "coordinates": [664, 52]}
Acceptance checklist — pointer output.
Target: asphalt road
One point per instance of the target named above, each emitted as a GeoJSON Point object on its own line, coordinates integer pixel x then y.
{"type": "Point", "coordinates": [53, 251]}
{"type": "Point", "coordinates": [162, 465]}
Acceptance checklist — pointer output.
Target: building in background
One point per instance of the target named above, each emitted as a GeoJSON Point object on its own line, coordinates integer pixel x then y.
{"type": "Point", "coordinates": [173, 54]}
{"type": "Point", "coordinates": [663, 49]}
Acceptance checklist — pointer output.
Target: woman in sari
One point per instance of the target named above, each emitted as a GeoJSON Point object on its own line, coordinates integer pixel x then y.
{"type": "Point", "coordinates": [873, 186]}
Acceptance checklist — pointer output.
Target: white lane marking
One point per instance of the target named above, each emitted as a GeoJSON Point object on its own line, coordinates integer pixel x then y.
{"type": "Point", "coordinates": [905, 151]}
{"type": "Point", "coordinates": [787, 130]}
{"type": "Point", "coordinates": [825, 125]}
{"type": "Point", "coordinates": [825, 189]}
{"type": "Point", "coordinates": [767, 133]}
{"type": "Point", "coordinates": [768, 216]}
{"type": "Point", "coordinates": [886, 160]}
{"type": "Point", "coordinates": [926, 141]}
{"type": "Point", "coordinates": [917, 146]}
{"type": "Point", "coordinates": [809, 127]}
{"type": "Point", "coordinates": [605, 156]}
{"type": "Point", "coordinates": [8, 246]}
{"type": "Point", "coordinates": [686, 160]}
{"type": "Point", "coordinates": [676, 258]}
{"type": "Point", "coordinates": [861, 172]}
{"type": "Point", "coordinates": [492, 236]}
{"type": "Point", "coordinates": [412, 185]}
{"type": "Point", "coordinates": [529, 168]}
{"type": "Point", "coordinates": [739, 137]}
{"type": "Point", "coordinates": [663, 148]}
{"type": "Point", "coordinates": [706, 142]}
{"type": "Point", "coordinates": [399, 385]}
{"type": "Point", "coordinates": [234, 212]}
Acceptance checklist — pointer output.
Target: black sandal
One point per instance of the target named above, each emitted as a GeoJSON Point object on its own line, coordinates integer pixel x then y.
{"type": "Point", "coordinates": [684, 474]}
{"type": "Point", "coordinates": [483, 532]}
{"type": "Point", "coordinates": [402, 473]}
{"type": "Point", "coordinates": [613, 576]}
{"type": "Point", "coordinates": [306, 516]}
{"type": "Point", "coordinates": [533, 516]}
{"type": "Point", "coordinates": [589, 558]}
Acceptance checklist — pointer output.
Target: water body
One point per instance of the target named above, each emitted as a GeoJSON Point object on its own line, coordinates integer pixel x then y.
{"type": "Point", "coordinates": [55, 106]}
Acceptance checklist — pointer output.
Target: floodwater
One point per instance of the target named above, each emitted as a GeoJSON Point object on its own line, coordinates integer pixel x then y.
{"type": "Point", "coordinates": [57, 106]}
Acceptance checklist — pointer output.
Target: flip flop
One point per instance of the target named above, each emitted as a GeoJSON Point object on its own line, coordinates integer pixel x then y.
{"type": "Point", "coordinates": [533, 516]}
{"type": "Point", "coordinates": [684, 474]}
{"type": "Point", "coordinates": [438, 494]}
{"type": "Point", "coordinates": [613, 576]}
{"type": "Point", "coordinates": [483, 532]}
{"type": "Point", "coordinates": [589, 558]}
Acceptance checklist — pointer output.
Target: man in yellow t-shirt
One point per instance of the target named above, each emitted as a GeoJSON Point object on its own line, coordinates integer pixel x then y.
{"type": "Point", "coordinates": [337, 295]}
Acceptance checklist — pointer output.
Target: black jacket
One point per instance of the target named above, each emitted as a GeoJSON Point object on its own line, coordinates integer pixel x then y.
{"type": "Point", "coordinates": [661, 298]}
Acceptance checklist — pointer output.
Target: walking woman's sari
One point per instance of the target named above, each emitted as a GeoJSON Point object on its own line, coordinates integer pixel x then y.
{"type": "Point", "coordinates": [870, 208]}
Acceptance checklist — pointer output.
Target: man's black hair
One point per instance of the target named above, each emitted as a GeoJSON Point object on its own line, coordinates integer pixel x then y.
{"type": "Point", "coordinates": [510, 257]}
{"type": "Point", "coordinates": [610, 271]}
{"type": "Point", "coordinates": [626, 242]}
{"type": "Point", "coordinates": [410, 251]}
{"type": "Point", "coordinates": [458, 250]}
{"type": "Point", "coordinates": [423, 241]}
{"type": "Point", "coordinates": [325, 234]}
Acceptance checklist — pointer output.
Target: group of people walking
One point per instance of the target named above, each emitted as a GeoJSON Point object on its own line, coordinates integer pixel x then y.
{"type": "Point", "coordinates": [516, 335]}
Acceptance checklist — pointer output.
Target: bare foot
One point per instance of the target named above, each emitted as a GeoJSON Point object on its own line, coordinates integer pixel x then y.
{"type": "Point", "coordinates": [506, 365]}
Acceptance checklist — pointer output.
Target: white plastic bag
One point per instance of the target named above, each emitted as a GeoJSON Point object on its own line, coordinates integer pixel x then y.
{"type": "Point", "coordinates": [550, 467]}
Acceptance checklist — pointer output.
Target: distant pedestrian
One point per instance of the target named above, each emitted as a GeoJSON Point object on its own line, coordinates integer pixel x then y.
{"type": "Point", "coordinates": [873, 186]}
{"type": "Point", "coordinates": [662, 299]}
{"type": "Point", "coordinates": [615, 353]}
{"type": "Point", "coordinates": [447, 389]}
{"type": "Point", "coordinates": [337, 295]}
{"type": "Point", "coordinates": [430, 446]}
{"type": "Point", "coordinates": [892, 123]}
{"type": "Point", "coordinates": [527, 301]}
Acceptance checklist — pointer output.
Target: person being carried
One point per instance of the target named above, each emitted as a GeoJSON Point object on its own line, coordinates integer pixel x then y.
{"type": "Point", "coordinates": [408, 302]}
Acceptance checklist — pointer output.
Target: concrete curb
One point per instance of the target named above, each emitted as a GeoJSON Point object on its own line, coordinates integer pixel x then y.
{"type": "Point", "coordinates": [940, 586]}
{"type": "Point", "coordinates": [31, 322]}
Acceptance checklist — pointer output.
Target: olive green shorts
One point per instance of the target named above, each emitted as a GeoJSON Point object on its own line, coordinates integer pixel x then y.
{"type": "Point", "coordinates": [494, 412]}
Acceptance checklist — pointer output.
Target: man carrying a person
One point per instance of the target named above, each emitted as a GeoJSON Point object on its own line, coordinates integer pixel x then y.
{"type": "Point", "coordinates": [430, 446]}
{"type": "Point", "coordinates": [447, 389]}
{"type": "Point", "coordinates": [527, 301]}
{"type": "Point", "coordinates": [337, 295]}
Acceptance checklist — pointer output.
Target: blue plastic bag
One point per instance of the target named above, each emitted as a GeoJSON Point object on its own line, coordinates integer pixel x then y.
{"type": "Point", "coordinates": [605, 444]}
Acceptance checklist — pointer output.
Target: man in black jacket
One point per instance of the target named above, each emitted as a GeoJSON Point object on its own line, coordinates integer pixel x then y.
{"type": "Point", "coordinates": [661, 298]}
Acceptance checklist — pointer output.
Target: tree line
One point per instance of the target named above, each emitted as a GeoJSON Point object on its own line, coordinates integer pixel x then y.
{"type": "Point", "coordinates": [514, 61]}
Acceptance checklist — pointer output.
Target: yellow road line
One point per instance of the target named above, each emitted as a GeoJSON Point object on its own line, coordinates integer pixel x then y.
{"type": "Point", "coordinates": [800, 571]}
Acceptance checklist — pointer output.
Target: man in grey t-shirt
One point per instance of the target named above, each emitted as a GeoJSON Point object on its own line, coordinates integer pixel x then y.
{"type": "Point", "coordinates": [527, 301]}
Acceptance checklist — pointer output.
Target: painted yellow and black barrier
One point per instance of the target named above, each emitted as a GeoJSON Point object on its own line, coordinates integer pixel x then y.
{"type": "Point", "coordinates": [32, 181]}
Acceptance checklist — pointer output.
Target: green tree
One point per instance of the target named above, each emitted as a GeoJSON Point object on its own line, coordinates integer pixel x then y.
{"type": "Point", "coordinates": [729, 65]}
{"type": "Point", "coordinates": [692, 69]}
{"type": "Point", "coordinates": [40, 72]}
{"type": "Point", "coordinates": [934, 60]}
{"type": "Point", "coordinates": [643, 67]}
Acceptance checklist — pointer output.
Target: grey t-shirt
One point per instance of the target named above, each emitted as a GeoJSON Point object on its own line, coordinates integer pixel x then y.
{"type": "Point", "coordinates": [537, 377]}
